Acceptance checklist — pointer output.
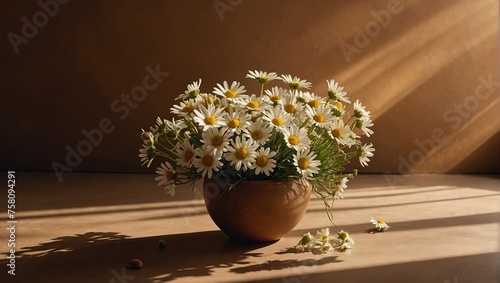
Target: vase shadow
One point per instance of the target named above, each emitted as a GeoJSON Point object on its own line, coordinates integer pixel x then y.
{"type": "Point", "coordinates": [102, 256]}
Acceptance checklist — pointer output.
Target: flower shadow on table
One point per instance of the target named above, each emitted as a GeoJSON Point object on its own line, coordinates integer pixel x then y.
{"type": "Point", "coordinates": [104, 257]}
{"type": "Point", "coordinates": [285, 264]}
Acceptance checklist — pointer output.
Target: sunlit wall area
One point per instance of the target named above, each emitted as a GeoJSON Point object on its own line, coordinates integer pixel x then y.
{"type": "Point", "coordinates": [71, 71]}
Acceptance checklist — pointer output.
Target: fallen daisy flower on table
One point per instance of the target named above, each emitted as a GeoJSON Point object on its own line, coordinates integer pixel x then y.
{"type": "Point", "coordinates": [345, 241]}
{"type": "Point", "coordinates": [306, 244]}
{"type": "Point", "coordinates": [380, 225]}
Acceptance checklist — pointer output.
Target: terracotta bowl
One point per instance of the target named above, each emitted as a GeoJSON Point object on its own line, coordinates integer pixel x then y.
{"type": "Point", "coordinates": [256, 211]}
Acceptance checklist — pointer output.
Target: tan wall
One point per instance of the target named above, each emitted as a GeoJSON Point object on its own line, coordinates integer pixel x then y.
{"type": "Point", "coordinates": [422, 70]}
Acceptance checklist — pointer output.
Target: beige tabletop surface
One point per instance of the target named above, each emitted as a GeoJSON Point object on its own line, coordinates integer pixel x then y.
{"type": "Point", "coordinates": [443, 228]}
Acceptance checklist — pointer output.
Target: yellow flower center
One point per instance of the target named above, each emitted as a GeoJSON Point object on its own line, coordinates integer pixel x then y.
{"type": "Point", "coordinates": [212, 100]}
{"type": "Point", "coordinates": [277, 121]}
{"type": "Point", "coordinates": [337, 133]}
{"type": "Point", "coordinates": [319, 118]}
{"type": "Point", "coordinates": [207, 160]}
{"type": "Point", "coordinates": [338, 105]}
{"type": "Point", "coordinates": [188, 108]}
{"type": "Point", "coordinates": [188, 155]}
{"type": "Point", "coordinates": [293, 140]}
{"type": "Point", "coordinates": [314, 103]}
{"type": "Point", "coordinates": [290, 108]}
{"type": "Point", "coordinates": [380, 222]}
{"type": "Point", "coordinates": [253, 104]}
{"type": "Point", "coordinates": [234, 123]}
{"type": "Point", "coordinates": [261, 161]}
{"type": "Point", "coordinates": [169, 176]}
{"type": "Point", "coordinates": [275, 98]}
{"type": "Point", "coordinates": [257, 135]}
{"type": "Point", "coordinates": [241, 153]}
{"type": "Point", "coordinates": [216, 140]}
{"type": "Point", "coordinates": [210, 120]}
{"type": "Point", "coordinates": [303, 163]}
{"type": "Point", "coordinates": [230, 93]}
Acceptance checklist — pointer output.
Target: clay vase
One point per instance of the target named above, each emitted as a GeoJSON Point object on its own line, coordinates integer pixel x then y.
{"type": "Point", "coordinates": [256, 211]}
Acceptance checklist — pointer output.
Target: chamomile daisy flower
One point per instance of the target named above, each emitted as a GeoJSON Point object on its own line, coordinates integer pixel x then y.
{"type": "Point", "coordinates": [258, 131]}
{"type": "Point", "coordinates": [345, 241]}
{"type": "Point", "coordinates": [353, 138]}
{"type": "Point", "coordinates": [312, 100]}
{"type": "Point", "coordinates": [323, 235]}
{"type": "Point", "coordinates": [320, 116]}
{"type": "Point", "coordinates": [295, 82]}
{"type": "Point", "coordinates": [306, 163]}
{"type": "Point", "coordinates": [360, 111]}
{"type": "Point", "coordinates": [229, 92]}
{"type": "Point", "coordinates": [207, 161]}
{"type": "Point", "coordinates": [166, 178]}
{"type": "Point", "coordinates": [262, 77]}
{"type": "Point", "coordinates": [256, 104]}
{"type": "Point", "coordinates": [364, 152]}
{"type": "Point", "coordinates": [210, 116]}
{"type": "Point", "coordinates": [364, 124]}
{"type": "Point", "coordinates": [336, 92]}
{"type": "Point", "coordinates": [306, 243]}
{"type": "Point", "coordinates": [296, 137]}
{"type": "Point", "coordinates": [185, 153]}
{"type": "Point", "coordinates": [237, 120]}
{"type": "Point", "coordinates": [380, 225]}
{"type": "Point", "coordinates": [337, 108]}
{"type": "Point", "coordinates": [339, 131]}
{"type": "Point", "coordinates": [147, 154]}
{"type": "Point", "coordinates": [216, 139]}
{"type": "Point", "coordinates": [277, 117]}
{"type": "Point", "coordinates": [290, 103]}
{"type": "Point", "coordinates": [264, 162]}
{"type": "Point", "coordinates": [184, 108]}
{"type": "Point", "coordinates": [275, 93]}
{"type": "Point", "coordinates": [192, 91]}
{"type": "Point", "coordinates": [241, 153]}
{"type": "Point", "coordinates": [340, 186]}
{"type": "Point", "coordinates": [209, 98]}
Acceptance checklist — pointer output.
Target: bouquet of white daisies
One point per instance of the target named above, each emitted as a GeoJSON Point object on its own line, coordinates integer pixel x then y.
{"type": "Point", "coordinates": [278, 134]}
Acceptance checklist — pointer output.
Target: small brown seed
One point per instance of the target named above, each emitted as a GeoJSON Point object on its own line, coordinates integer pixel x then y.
{"type": "Point", "coordinates": [136, 264]}
{"type": "Point", "coordinates": [162, 244]}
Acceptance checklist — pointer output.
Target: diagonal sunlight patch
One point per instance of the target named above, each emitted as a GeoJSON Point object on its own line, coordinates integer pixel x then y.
{"type": "Point", "coordinates": [405, 67]}
{"type": "Point", "coordinates": [461, 143]}
{"type": "Point", "coordinates": [108, 209]}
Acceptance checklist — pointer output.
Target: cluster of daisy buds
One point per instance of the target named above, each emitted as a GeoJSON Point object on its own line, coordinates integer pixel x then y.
{"type": "Point", "coordinates": [320, 242]}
